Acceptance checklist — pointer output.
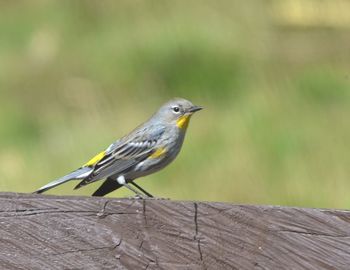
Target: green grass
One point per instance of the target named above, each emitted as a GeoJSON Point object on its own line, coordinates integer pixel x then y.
{"type": "Point", "coordinates": [275, 129]}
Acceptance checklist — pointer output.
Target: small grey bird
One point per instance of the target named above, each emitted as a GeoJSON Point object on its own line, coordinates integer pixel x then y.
{"type": "Point", "coordinates": [147, 149]}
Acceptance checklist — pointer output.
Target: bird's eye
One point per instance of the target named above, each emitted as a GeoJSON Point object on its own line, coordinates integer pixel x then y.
{"type": "Point", "coordinates": [176, 109]}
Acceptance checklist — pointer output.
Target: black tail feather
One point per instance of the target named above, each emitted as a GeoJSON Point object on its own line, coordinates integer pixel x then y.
{"type": "Point", "coordinates": [107, 186]}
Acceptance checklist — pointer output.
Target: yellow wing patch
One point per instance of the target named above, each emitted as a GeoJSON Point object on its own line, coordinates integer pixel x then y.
{"type": "Point", "coordinates": [158, 153]}
{"type": "Point", "coordinates": [183, 121]}
{"type": "Point", "coordinates": [95, 159]}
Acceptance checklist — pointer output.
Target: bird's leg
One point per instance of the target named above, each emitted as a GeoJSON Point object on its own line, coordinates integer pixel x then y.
{"type": "Point", "coordinates": [121, 181]}
{"type": "Point", "coordinates": [138, 194]}
{"type": "Point", "coordinates": [150, 196]}
{"type": "Point", "coordinates": [141, 189]}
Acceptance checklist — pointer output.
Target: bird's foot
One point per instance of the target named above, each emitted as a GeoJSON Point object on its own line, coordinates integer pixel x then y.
{"type": "Point", "coordinates": [136, 197]}
{"type": "Point", "coordinates": [157, 198]}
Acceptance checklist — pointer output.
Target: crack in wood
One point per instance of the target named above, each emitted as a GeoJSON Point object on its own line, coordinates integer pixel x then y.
{"type": "Point", "coordinates": [312, 233]}
{"type": "Point", "coordinates": [86, 250]}
{"type": "Point", "coordinates": [196, 231]}
{"type": "Point", "coordinates": [88, 213]}
{"type": "Point", "coordinates": [144, 211]}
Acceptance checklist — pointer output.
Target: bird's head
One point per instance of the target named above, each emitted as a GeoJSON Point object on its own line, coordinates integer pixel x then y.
{"type": "Point", "coordinates": [177, 111]}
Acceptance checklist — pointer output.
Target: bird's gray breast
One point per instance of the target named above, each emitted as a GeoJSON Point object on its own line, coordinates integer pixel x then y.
{"type": "Point", "coordinates": [171, 142]}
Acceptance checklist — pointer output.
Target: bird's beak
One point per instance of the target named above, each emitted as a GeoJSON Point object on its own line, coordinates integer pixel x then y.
{"type": "Point", "coordinates": [194, 109]}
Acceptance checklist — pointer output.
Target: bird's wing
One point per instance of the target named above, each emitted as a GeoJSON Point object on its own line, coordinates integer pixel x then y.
{"type": "Point", "coordinates": [123, 154]}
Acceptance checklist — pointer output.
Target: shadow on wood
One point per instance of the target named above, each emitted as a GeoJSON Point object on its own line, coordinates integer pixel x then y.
{"type": "Point", "coordinates": [48, 232]}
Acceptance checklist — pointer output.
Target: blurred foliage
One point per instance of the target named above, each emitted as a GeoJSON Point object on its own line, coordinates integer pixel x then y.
{"type": "Point", "coordinates": [273, 78]}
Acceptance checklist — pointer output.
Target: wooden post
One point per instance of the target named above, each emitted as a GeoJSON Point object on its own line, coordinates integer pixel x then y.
{"type": "Point", "coordinates": [51, 232]}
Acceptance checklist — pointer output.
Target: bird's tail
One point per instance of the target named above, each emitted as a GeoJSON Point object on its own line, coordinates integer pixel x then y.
{"type": "Point", "coordinates": [77, 174]}
{"type": "Point", "coordinates": [108, 186]}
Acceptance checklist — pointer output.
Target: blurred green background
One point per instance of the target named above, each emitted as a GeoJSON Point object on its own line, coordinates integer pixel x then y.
{"type": "Point", "coordinates": [273, 77]}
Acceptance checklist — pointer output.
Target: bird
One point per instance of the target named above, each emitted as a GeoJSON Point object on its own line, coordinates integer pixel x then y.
{"type": "Point", "coordinates": [147, 149]}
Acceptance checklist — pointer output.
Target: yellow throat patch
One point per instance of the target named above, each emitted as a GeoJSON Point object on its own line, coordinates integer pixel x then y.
{"type": "Point", "coordinates": [95, 159]}
{"type": "Point", "coordinates": [183, 121]}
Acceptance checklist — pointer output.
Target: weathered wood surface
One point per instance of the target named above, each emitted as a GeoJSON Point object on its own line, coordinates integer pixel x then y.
{"type": "Point", "coordinates": [47, 232]}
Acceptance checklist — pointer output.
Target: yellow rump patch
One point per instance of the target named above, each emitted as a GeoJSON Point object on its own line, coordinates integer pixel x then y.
{"type": "Point", "coordinates": [183, 121]}
{"type": "Point", "coordinates": [158, 153]}
{"type": "Point", "coordinates": [95, 159]}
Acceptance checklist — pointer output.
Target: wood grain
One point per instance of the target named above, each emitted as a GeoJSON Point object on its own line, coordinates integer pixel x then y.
{"type": "Point", "coordinates": [49, 232]}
